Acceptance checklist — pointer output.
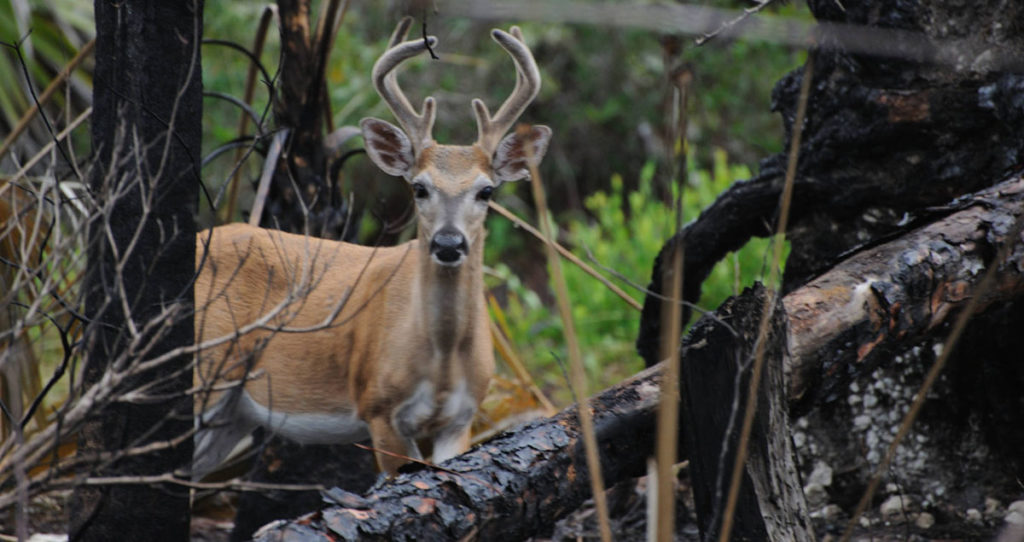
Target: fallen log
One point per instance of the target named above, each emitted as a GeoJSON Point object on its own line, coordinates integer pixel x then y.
{"type": "Point", "coordinates": [862, 311]}
{"type": "Point", "coordinates": [882, 299]}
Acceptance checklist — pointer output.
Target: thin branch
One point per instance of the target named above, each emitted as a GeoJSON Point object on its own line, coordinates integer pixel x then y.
{"type": "Point", "coordinates": [761, 4]}
{"type": "Point", "coordinates": [565, 253]}
{"type": "Point", "coordinates": [46, 120]}
{"type": "Point", "coordinates": [64, 74]}
{"type": "Point", "coordinates": [269, 165]}
{"type": "Point", "coordinates": [269, 13]}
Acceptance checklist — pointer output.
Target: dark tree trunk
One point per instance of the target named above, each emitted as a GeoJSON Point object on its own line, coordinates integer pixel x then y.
{"type": "Point", "coordinates": [303, 193]}
{"type": "Point", "coordinates": [717, 364]}
{"type": "Point", "coordinates": [146, 133]}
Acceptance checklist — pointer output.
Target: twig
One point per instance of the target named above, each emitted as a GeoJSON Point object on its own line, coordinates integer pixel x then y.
{"type": "Point", "coordinates": [430, 465]}
{"type": "Point", "coordinates": [668, 406]}
{"type": "Point", "coordinates": [269, 166]}
{"type": "Point", "coordinates": [503, 211]}
{"type": "Point", "coordinates": [38, 105]}
{"type": "Point", "coordinates": [513, 361]}
{"type": "Point", "coordinates": [761, 4]}
{"type": "Point", "coordinates": [65, 72]}
{"type": "Point", "coordinates": [49, 146]}
{"type": "Point", "coordinates": [426, 40]}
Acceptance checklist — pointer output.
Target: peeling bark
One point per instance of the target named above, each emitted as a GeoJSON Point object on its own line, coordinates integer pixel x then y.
{"type": "Point", "coordinates": [891, 296]}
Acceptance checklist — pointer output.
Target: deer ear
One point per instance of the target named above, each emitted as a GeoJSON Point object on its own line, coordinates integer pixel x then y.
{"type": "Point", "coordinates": [509, 160]}
{"type": "Point", "coordinates": [388, 147]}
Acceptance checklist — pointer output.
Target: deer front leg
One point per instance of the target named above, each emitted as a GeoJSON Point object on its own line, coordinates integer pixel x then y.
{"type": "Point", "coordinates": [450, 443]}
{"type": "Point", "coordinates": [387, 439]}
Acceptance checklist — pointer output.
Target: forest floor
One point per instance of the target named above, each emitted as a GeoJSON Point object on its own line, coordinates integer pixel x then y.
{"type": "Point", "coordinates": [628, 509]}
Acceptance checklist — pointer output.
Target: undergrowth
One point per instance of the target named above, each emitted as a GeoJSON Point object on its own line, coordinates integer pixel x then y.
{"type": "Point", "coordinates": [621, 236]}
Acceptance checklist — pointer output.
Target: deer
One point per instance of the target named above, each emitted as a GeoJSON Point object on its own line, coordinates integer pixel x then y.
{"type": "Point", "coordinates": [324, 341]}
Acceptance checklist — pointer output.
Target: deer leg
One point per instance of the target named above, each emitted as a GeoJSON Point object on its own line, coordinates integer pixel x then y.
{"type": "Point", "coordinates": [451, 443]}
{"type": "Point", "coordinates": [387, 439]}
{"type": "Point", "coordinates": [218, 431]}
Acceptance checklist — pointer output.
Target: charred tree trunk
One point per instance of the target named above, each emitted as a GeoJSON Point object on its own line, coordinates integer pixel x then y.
{"type": "Point", "coordinates": [303, 196]}
{"type": "Point", "coordinates": [146, 133]}
{"type": "Point", "coordinates": [863, 312]}
{"type": "Point", "coordinates": [717, 364]}
{"type": "Point", "coordinates": [884, 140]}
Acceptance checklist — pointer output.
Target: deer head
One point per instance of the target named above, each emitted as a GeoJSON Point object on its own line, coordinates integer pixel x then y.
{"type": "Point", "coordinates": [452, 184]}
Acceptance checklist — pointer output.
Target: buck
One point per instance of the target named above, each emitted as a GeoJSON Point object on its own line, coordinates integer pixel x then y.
{"type": "Point", "coordinates": [332, 342]}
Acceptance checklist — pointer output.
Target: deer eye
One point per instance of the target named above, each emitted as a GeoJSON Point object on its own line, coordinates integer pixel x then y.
{"type": "Point", "coordinates": [485, 193]}
{"type": "Point", "coordinates": [419, 191]}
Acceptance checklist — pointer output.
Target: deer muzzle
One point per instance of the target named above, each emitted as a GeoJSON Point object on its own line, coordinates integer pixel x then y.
{"type": "Point", "coordinates": [449, 247]}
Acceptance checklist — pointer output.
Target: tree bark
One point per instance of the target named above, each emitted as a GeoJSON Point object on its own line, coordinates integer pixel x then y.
{"type": "Point", "coordinates": [146, 133]}
{"type": "Point", "coordinates": [717, 365]}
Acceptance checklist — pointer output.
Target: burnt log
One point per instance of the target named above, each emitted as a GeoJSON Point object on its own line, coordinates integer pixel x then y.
{"type": "Point", "coordinates": [717, 366]}
{"type": "Point", "coordinates": [889, 297]}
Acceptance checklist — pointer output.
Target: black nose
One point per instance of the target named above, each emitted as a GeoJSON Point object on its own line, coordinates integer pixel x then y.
{"type": "Point", "coordinates": [448, 246]}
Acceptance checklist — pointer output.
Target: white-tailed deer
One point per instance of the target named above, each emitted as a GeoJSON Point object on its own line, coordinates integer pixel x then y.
{"type": "Point", "coordinates": [328, 342]}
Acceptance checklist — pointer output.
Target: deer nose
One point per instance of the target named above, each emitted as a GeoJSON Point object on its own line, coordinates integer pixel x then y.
{"type": "Point", "coordinates": [448, 247]}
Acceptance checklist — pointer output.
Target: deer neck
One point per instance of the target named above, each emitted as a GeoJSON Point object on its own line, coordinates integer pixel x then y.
{"type": "Point", "coordinates": [450, 299]}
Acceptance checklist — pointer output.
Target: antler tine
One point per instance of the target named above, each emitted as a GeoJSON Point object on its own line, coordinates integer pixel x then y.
{"type": "Point", "coordinates": [417, 125]}
{"type": "Point", "coordinates": [491, 129]}
{"type": "Point", "coordinates": [401, 30]}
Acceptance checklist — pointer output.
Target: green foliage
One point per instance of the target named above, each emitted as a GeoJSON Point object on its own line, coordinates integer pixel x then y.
{"type": "Point", "coordinates": [49, 35]}
{"type": "Point", "coordinates": [625, 233]}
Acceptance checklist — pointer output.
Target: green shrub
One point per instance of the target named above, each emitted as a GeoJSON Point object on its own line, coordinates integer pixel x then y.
{"type": "Point", "coordinates": [625, 233]}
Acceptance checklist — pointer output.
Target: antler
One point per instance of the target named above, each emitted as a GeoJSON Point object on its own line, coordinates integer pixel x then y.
{"type": "Point", "coordinates": [527, 86]}
{"type": "Point", "coordinates": [417, 125]}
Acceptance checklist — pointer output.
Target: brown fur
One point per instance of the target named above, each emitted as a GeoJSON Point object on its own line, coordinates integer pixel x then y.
{"type": "Point", "coordinates": [371, 355]}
